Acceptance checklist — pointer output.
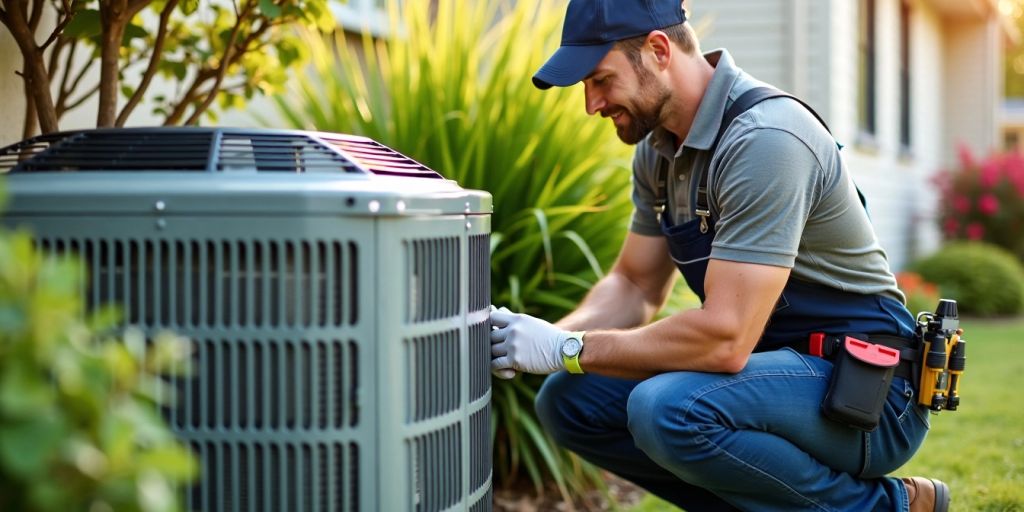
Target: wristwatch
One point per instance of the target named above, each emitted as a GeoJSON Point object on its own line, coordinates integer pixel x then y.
{"type": "Point", "coordinates": [571, 348]}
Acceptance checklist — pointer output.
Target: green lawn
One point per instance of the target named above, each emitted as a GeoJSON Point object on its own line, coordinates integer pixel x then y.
{"type": "Point", "coordinates": [979, 449]}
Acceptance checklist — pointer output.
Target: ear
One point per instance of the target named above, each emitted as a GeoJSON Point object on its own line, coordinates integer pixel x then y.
{"type": "Point", "coordinates": [661, 48]}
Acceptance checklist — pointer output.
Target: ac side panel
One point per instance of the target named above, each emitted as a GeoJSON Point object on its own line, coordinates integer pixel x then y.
{"type": "Point", "coordinates": [434, 294]}
{"type": "Point", "coordinates": [280, 405]}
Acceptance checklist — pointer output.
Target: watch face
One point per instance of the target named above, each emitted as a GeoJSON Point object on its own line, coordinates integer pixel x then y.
{"type": "Point", "coordinates": [571, 347]}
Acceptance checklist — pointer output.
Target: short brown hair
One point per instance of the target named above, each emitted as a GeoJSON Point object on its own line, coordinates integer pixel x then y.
{"type": "Point", "coordinates": [682, 35]}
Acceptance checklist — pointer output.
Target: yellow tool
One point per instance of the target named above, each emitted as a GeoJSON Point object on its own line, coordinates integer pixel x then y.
{"type": "Point", "coordinates": [943, 358]}
{"type": "Point", "coordinates": [957, 362]}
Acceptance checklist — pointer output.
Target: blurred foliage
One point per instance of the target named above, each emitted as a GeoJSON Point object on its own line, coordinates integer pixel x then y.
{"type": "Point", "coordinates": [451, 88]}
{"type": "Point", "coordinates": [80, 427]}
{"type": "Point", "coordinates": [984, 200]}
{"type": "Point", "coordinates": [1013, 60]}
{"type": "Point", "coordinates": [921, 295]}
{"type": "Point", "coordinates": [984, 279]}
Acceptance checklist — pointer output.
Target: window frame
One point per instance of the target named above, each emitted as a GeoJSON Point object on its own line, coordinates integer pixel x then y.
{"type": "Point", "coordinates": [906, 138]}
{"type": "Point", "coordinates": [867, 63]}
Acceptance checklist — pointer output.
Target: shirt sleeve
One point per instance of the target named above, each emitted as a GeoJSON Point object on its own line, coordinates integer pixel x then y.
{"type": "Point", "coordinates": [763, 187]}
{"type": "Point", "coordinates": [644, 222]}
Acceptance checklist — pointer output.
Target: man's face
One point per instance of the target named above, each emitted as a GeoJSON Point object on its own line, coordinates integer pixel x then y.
{"type": "Point", "coordinates": [632, 97]}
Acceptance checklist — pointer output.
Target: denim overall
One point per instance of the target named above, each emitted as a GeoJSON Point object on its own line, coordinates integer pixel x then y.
{"type": "Point", "coordinates": [754, 440]}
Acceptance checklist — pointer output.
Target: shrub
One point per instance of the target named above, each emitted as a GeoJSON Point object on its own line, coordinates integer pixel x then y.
{"type": "Point", "coordinates": [452, 89]}
{"type": "Point", "coordinates": [80, 427]}
{"type": "Point", "coordinates": [983, 278]}
{"type": "Point", "coordinates": [983, 200]}
{"type": "Point", "coordinates": [921, 295]}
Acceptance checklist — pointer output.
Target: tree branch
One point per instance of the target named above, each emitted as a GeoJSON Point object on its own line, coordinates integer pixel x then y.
{"type": "Point", "coordinates": [154, 61]}
{"type": "Point", "coordinates": [202, 76]}
{"type": "Point", "coordinates": [61, 25]}
{"type": "Point", "coordinates": [31, 123]}
{"type": "Point", "coordinates": [85, 96]}
{"type": "Point", "coordinates": [69, 61]}
{"type": "Point", "coordinates": [51, 67]}
{"type": "Point", "coordinates": [230, 56]}
{"type": "Point", "coordinates": [37, 14]}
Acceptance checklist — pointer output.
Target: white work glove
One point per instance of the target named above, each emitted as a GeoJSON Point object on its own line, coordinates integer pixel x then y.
{"type": "Point", "coordinates": [524, 343]}
{"type": "Point", "coordinates": [501, 373]}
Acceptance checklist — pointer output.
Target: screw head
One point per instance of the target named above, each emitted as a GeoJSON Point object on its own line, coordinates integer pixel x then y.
{"type": "Point", "coordinates": [160, 206]}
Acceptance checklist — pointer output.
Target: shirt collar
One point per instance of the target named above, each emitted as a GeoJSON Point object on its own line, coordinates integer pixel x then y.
{"type": "Point", "coordinates": [712, 107]}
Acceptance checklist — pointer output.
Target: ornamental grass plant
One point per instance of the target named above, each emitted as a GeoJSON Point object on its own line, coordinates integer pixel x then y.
{"type": "Point", "coordinates": [450, 86]}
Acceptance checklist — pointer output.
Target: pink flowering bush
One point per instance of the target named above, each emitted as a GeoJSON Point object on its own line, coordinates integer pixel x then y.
{"type": "Point", "coordinates": [983, 200]}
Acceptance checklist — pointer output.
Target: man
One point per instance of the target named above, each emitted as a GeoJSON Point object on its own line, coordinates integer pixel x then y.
{"type": "Point", "coordinates": [719, 407]}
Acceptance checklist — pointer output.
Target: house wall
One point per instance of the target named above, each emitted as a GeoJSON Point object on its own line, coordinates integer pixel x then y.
{"type": "Point", "coordinates": [811, 49]}
{"type": "Point", "coordinates": [973, 84]}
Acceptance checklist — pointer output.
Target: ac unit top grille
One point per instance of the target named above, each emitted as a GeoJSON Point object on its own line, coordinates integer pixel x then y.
{"type": "Point", "coordinates": [207, 150]}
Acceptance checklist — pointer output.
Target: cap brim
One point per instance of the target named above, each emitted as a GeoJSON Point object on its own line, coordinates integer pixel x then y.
{"type": "Point", "coordinates": [570, 64]}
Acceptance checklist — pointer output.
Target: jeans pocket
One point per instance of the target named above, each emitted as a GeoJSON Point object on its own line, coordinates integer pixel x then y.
{"type": "Point", "coordinates": [903, 399]}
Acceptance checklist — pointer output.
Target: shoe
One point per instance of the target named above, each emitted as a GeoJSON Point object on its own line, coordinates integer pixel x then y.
{"type": "Point", "coordinates": [927, 494]}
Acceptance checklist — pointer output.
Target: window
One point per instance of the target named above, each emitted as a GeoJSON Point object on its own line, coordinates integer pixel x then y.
{"type": "Point", "coordinates": [866, 67]}
{"type": "Point", "coordinates": [355, 15]}
{"type": "Point", "coordinates": [905, 139]}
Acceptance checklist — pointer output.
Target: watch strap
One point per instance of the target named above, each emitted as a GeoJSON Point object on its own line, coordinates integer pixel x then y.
{"type": "Point", "coordinates": [572, 364]}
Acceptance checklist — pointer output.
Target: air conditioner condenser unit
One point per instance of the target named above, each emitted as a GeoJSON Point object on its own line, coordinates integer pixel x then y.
{"type": "Point", "coordinates": [335, 293]}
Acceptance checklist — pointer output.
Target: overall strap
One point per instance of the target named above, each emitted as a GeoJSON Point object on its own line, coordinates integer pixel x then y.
{"type": "Point", "coordinates": [745, 102]}
{"type": "Point", "coordinates": [660, 194]}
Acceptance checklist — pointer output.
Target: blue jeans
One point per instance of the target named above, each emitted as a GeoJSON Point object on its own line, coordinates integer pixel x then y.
{"type": "Point", "coordinates": [755, 440]}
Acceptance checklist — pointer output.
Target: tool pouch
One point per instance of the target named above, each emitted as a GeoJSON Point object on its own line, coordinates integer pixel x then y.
{"type": "Point", "coordinates": [860, 382]}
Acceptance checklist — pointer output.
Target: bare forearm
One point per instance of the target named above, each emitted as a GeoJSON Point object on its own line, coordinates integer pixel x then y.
{"type": "Point", "coordinates": [696, 339]}
{"type": "Point", "coordinates": [718, 337]}
{"type": "Point", "coordinates": [613, 303]}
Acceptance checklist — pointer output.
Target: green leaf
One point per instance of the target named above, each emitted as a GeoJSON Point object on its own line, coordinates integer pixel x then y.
{"type": "Point", "coordinates": [173, 460]}
{"type": "Point", "coordinates": [133, 31]}
{"type": "Point", "coordinates": [84, 24]}
{"type": "Point", "coordinates": [26, 447]}
{"type": "Point", "coordinates": [270, 9]}
{"type": "Point", "coordinates": [188, 7]}
{"type": "Point", "coordinates": [23, 394]}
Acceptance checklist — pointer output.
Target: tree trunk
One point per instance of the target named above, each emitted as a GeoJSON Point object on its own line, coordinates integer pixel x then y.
{"type": "Point", "coordinates": [31, 118]}
{"type": "Point", "coordinates": [37, 80]}
{"type": "Point", "coordinates": [113, 19]}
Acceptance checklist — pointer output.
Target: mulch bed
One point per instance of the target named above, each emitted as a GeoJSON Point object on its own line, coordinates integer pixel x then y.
{"type": "Point", "coordinates": [524, 498]}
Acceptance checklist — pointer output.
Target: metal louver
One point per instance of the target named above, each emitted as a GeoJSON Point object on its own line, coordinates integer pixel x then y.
{"type": "Point", "coordinates": [207, 150]}
{"type": "Point", "coordinates": [336, 305]}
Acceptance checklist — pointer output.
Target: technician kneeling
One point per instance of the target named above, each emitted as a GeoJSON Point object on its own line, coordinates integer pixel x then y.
{"type": "Point", "coordinates": [744, 191]}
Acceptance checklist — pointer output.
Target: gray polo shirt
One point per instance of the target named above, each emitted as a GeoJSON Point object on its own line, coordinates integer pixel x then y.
{"type": "Point", "coordinates": [778, 189]}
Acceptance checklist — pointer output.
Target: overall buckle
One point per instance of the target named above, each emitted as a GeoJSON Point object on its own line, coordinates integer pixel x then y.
{"type": "Point", "coordinates": [703, 214]}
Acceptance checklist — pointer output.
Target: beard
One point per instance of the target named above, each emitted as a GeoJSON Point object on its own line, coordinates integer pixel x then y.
{"type": "Point", "coordinates": [647, 109]}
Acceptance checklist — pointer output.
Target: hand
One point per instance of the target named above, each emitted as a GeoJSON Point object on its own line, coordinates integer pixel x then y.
{"type": "Point", "coordinates": [524, 343]}
{"type": "Point", "coordinates": [501, 373]}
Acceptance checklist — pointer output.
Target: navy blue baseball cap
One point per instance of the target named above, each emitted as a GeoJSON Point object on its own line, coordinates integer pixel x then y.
{"type": "Point", "coordinates": [591, 29]}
